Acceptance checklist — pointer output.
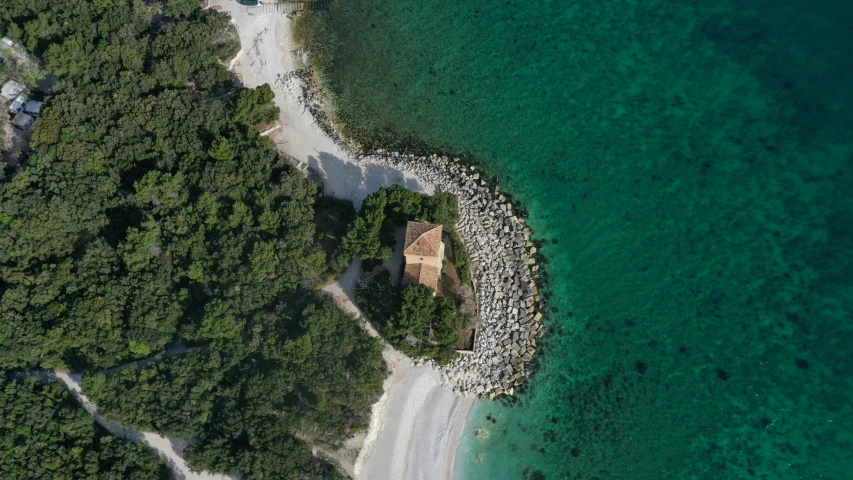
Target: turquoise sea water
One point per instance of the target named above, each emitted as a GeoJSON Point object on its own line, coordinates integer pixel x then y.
{"type": "Point", "coordinates": [688, 168]}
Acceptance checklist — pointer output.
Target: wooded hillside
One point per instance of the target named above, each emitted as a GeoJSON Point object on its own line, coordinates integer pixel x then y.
{"type": "Point", "coordinates": [146, 200]}
{"type": "Point", "coordinates": [47, 435]}
{"type": "Point", "coordinates": [152, 211]}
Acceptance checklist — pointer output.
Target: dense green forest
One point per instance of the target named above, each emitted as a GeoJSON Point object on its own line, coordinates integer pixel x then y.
{"type": "Point", "coordinates": [311, 371]}
{"type": "Point", "coordinates": [46, 435]}
{"type": "Point", "coordinates": [145, 198]}
{"type": "Point", "coordinates": [122, 223]}
{"type": "Point", "coordinates": [152, 211]}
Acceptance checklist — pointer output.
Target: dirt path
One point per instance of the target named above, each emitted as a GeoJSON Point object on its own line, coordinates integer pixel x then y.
{"type": "Point", "coordinates": [170, 449]}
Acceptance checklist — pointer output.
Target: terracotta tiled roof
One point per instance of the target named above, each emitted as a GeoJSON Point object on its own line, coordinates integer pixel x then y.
{"type": "Point", "coordinates": [422, 239]}
{"type": "Point", "coordinates": [412, 273]}
{"type": "Point", "coordinates": [430, 276]}
{"type": "Point", "coordinates": [421, 273]}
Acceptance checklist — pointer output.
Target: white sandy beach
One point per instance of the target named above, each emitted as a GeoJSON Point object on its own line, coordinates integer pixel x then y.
{"type": "Point", "coordinates": [265, 58]}
{"type": "Point", "coordinates": [416, 425]}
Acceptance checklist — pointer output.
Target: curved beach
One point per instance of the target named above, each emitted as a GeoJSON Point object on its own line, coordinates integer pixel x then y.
{"type": "Point", "coordinates": [416, 425]}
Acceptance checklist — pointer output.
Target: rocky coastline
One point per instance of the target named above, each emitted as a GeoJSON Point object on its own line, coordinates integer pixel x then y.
{"type": "Point", "coordinates": [504, 270]}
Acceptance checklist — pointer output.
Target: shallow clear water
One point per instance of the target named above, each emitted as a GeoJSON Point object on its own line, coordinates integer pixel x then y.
{"type": "Point", "coordinates": [688, 166]}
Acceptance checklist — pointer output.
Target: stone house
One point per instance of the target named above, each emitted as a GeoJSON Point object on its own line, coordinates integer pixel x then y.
{"type": "Point", "coordinates": [423, 251]}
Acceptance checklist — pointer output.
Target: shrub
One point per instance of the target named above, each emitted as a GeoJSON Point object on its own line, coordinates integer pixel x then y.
{"type": "Point", "coordinates": [442, 208]}
{"type": "Point", "coordinates": [254, 106]}
{"type": "Point", "coordinates": [397, 312]}
{"type": "Point", "coordinates": [460, 258]}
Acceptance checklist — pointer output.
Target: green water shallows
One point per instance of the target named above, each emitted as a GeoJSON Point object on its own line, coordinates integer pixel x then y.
{"type": "Point", "coordinates": [687, 165]}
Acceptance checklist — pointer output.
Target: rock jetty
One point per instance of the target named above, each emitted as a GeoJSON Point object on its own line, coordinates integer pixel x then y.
{"type": "Point", "coordinates": [503, 271]}
{"type": "Point", "coordinates": [503, 267]}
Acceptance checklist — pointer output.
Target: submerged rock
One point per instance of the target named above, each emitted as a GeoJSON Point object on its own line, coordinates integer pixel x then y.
{"type": "Point", "coordinates": [532, 474]}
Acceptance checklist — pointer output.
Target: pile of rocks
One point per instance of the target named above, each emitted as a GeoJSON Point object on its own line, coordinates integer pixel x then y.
{"type": "Point", "coordinates": [503, 271]}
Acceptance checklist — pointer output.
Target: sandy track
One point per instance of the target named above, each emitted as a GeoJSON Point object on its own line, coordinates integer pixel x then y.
{"type": "Point", "coordinates": [170, 449]}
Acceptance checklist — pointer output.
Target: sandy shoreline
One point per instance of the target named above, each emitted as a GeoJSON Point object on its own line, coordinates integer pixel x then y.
{"type": "Point", "coordinates": [419, 424]}
{"type": "Point", "coordinates": [416, 425]}
{"type": "Point", "coordinates": [265, 57]}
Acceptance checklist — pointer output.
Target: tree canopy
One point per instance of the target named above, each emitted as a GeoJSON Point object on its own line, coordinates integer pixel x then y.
{"type": "Point", "coordinates": [370, 235]}
{"type": "Point", "coordinates": [254, 106]}
{"type": "Point", "coordinates": [143, 200]}
{"type": "Point", "coordinates": [47, 435]}
{"type": "Point", "coordinates": [364, 234]}
{"type": "Point", "coordinates": [398, 311]}
{"type": "Point", "coordinates": [313, 371]}
{"type": "Point", "coordinates": [152, 211]}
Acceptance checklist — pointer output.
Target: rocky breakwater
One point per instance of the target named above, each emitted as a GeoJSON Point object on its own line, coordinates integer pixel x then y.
{"type": "Point", "coordinates": [503, 271]}
{"type": "Point", "coordinates": [498, 242]}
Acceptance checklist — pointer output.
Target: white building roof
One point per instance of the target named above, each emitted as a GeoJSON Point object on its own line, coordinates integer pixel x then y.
{"type": "Point", "coordinates": [18, 104]}
{"type": "Point", "coordinates": [11, 89]}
